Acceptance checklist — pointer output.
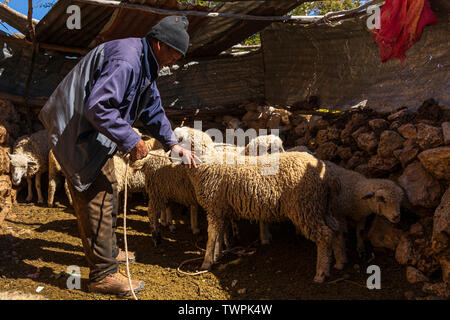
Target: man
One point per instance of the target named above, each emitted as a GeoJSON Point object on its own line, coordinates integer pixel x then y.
{"type": "Point", "coordinates": [89, 117]}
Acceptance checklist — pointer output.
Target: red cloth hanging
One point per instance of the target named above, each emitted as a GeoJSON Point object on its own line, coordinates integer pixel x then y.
{"type": "Point", "coordinates": [402, 22]}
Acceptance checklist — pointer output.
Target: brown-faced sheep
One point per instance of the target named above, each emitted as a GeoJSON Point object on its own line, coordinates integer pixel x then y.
{"type": "Point", "coordinates": [29, 159]}
{"type": "Point", "coordinates": [297, 191]}
{"type": "Point", "coordinates": [357, 199]}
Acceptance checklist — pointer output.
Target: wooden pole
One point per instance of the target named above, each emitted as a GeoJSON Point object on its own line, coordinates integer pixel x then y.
{"type": "Point", "coordinates": [53, 47]}
{"type": "Point", "coordinates": [15, 19]}
{"type": "Point", "coordinates": [328, 18]}
{"type": "Point", "coordinates": [144, 8]}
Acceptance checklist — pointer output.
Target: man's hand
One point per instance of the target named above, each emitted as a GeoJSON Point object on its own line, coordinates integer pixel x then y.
{"type": "Point", "coordinates": [139, 152]}
{"type": "Point", "coordinates": [189, 157]}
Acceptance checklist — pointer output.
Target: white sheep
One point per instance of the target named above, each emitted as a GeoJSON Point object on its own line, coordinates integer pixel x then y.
{"type": "Point", "coordinates": [166, 182]}
{"type": "Point", "coordinates": [260, 145]}
{"type": "Point", "coordinates": [54, 174]}
{"type": "Point", "coordinates": [264, 144]}
{"type": "Point", "coordinates": [357, 198]}
{"type": "Point", "coordinates": [29, 159]}
{"type": "Point", "coordinates": [300, 149]}
{"type": "Point", "coordinates": [298, 191]}
{"type": "Point", "coordinates": [193, 139]}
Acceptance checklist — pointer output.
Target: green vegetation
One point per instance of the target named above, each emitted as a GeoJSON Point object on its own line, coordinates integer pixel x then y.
{"type": "Point", "coordinates": [313, 8]}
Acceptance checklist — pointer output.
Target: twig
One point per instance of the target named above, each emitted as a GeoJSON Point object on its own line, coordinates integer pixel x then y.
{"type": "Point", "coordinates": [327, 18]}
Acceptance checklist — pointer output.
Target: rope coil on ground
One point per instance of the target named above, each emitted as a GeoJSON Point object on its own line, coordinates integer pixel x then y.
{"type": "Point", "coordinates": [239, 250]}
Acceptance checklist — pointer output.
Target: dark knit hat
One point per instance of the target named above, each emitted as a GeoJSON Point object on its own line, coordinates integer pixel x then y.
{"type": "Point", "coordinates": [172, 30]}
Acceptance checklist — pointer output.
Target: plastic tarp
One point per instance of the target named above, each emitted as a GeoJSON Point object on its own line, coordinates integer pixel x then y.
{"type": "Point", "coordinates": [342, 66]}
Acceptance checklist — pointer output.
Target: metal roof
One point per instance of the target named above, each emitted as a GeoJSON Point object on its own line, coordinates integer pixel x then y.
{"type": "Point", "coordinates": [209, 36]}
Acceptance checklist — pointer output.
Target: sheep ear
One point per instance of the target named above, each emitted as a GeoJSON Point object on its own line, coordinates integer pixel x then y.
{"type": "Point", "coordinates": [368, 196]}
{"type": "Point", "coordinates": [9, 155]}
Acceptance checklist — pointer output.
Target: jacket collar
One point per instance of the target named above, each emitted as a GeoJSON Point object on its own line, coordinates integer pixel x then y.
{"type": "Point", "coordinates": [149, 62]}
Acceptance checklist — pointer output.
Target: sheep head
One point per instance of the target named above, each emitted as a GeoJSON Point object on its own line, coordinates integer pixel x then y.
{"type": "Point", "coordinates": [385, 199]}
{"type": "Point", "coordinates": [20, 166]}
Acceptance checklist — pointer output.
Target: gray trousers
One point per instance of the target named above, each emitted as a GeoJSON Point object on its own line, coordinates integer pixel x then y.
{"type": "Point", "coordinates": [96, 211]}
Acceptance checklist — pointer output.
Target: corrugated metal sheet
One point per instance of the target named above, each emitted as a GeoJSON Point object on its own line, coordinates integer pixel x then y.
{"type": "Point", "coordinates": [219, 34]}
{"type": "Point", "coordinates": [209, 36]}
{"type": "Point", "coordinates": [342, 66]}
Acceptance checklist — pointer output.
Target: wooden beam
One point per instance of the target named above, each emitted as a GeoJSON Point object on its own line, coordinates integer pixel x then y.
{"type": "Point", "coordinates": [31, 29]}
{"type": "Point", "coordinates": [144, 8]}
{"type": "Point", "coordinates": [79, 51]}
{"type": "Point", "coordinates": [15, 19]}
{"type": "Point", "coordinates": [35, 102]}
{"type": "Point", "coordinates": [327, 18]}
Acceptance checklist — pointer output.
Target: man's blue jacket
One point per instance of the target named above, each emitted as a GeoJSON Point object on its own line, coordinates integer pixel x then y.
{"type": "Point", "coordinates": [89, 115]}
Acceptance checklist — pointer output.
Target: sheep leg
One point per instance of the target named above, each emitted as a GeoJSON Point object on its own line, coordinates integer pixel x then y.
{"type": "Point", "coordinates": [264, 233]}
{"type": "Point", "coordinates": [324, 250]}
{"type": "Point", "coordinates": [169, 219]}
{"type": "Point", "coordinates": [194, 219]}
{"type": "Point", "coordinates": [360, 247]}
{"type": "Point", "coordinates": [165, 216]}
{"type": "Point", "coordinates": [234, 229]}
{"type": "Point", "coordinates": [69, 196]}
{"type": "Point", "coordinates": [218, 248]}
{"type": "Point", "coordinates": [52, 184]}
{"type": "Point", "coordinates": [154, 224]}
{"type": "Point", "coordinates": [215, 233]}
{"type": "Point", "coordinates": [38, 188]}
{"type": "Point", "coordinates": [339, 251]}
{"type": "Point", "coordinates": [30, 190]}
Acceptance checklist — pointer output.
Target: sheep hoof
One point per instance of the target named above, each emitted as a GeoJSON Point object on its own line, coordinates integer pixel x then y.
{"type": "Point", "coordinates": [156, 239]}
{"type": "Point", "coordinates": [339, 266]}
{"type": "Point", "coordinates": [265, 242]}
{"type": "Point", "coordinates": [320, 278]}
{"type": "Point", "coordinates": [206, 266]}
{"type": "Point", "coordinates": [361, 253]}
{"type": "Point", "coordinates": [195, 231]}
{"type": "Point", "coordinates": [28, 199]}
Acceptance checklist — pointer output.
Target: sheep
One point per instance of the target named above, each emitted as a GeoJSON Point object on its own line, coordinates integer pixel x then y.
{"type": "Point", "coordinates": [231, 122]}
{"type": "Point", "coordinates": [264, 144]}
{"type": "Point", "coordinates": [357, 199]}
{"type": "Point", "coordinates": [136, 177]}
{"type": "Point", "coordinates": [298, 191]}
{"type": "Point", "coordinates": [193, 139]}
{"type": "Point", "coordinates": [300, 149]}
{"type": "Point", "coordinates": [29, 159]}
{"type": "Point", "coordinates": [164, 182]}
{"type": "Point", "coordinates": [18, 295]}
{"type": "Point", "coordinates": [54, 172]}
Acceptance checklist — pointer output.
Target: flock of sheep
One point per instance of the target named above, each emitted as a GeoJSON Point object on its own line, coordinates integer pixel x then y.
{"type": "Point", "coordinates": [316, 196]}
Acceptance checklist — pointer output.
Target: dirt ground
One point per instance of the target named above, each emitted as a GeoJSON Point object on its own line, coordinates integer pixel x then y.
{"type": "Point", "coordinates": [47, 238]}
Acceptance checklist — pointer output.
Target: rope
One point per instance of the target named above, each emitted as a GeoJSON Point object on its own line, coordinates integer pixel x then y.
{"type": "Point", "coordinates": [127, 160]}
{"type": "Point", "coordinates": [239, 250]}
